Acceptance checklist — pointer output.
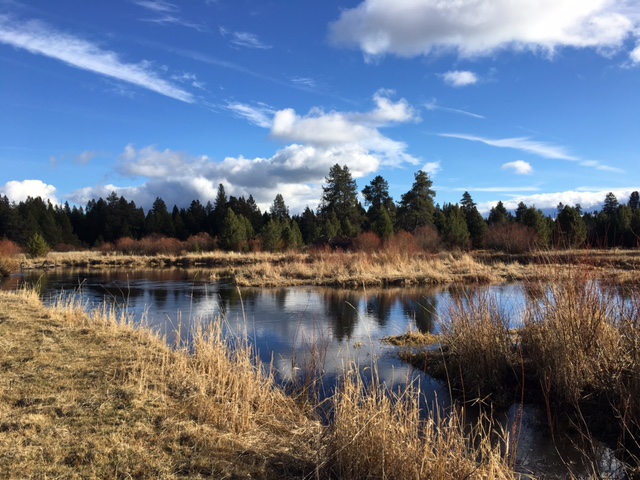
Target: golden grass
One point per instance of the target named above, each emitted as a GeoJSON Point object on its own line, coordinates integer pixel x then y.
{"type": "Point", "coordinates": [379, 434]}
{"type": "Point", "coordinates": [578, 354]}
{"type": "Point", "coordinates": [356, 269]}
{"type": "Point", "coordinates": [90, 396]}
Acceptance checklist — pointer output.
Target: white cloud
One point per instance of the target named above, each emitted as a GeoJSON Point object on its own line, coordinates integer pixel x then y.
{"type": "Point", "coordinates": [38, 38]}
{"type": "Point", "coordinates": [588, 200]}
{"type": "Point", "coordinates": [85, 157]}
{"type": "Point", "coordinates": [524, 144]}
{"type": "Point", "coordinates": [260, 115]}
{"type": "Point", "coordinates": [159, 6]}
{"type": "Point", "coordinates": [244, 39]}
{"type": "Point", "coordinates": [460, 78]}
{"type": "Point", "coordinates": [313, 143]}
{"type": "Point", "coordinates": [433, 105]}
{"type": "Point", "coordinates": [19, 191]}
{"type": "Point", "coordinates": [432, 168]}
{"type": "Point", "coordinates": [520, 167]}
{"type": "Point", "coordinates": [635, 55]}
{"type": "Point", "coordinates": [480, 27]}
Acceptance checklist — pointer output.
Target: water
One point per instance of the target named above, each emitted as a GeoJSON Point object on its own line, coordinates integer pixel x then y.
{"type": "Point", "coordinates": [302, 328]}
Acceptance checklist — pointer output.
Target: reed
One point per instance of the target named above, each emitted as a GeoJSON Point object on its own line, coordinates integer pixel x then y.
{"type": "Point", "coordinates": [377, 433]}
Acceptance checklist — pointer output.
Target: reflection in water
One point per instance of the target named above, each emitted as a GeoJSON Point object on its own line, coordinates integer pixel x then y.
{"type": "Point", "coordinates": [301, 329]}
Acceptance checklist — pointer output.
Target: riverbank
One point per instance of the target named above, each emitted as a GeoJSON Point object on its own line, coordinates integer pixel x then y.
{"type": "Point", "coordinates": [369, 269]}
{"type": "Point", "coordinates": [89, 395]}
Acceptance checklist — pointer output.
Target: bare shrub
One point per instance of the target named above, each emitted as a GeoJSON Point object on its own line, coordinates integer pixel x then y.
{"type": "Point", "coordinates": [202, 242]}
{"type": "Point", "coordinates": [127, 246]}
{"type": "Point", "coordinates": [570, 336]}
{"type": "Point", "coordinates": [511, 238]}
{"type": "Point", "coordinates": [428, 238]}
{"type": "Point", "coordinates": [368, 242]}
{"type": "Point", "coordinates": [404, 244]}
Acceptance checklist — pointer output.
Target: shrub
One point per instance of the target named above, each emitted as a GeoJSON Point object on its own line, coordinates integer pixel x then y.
{"type": "Point", "coordinates": [403, 243]}
{"type": "Point", "coordinates": [368, 242]}
{"type": "Point", "coordinates": [428, 238]}
{"type": "Point", "coordinates": [202, 242]}
{"type": "Point", "coordinates": [511, 238]}
{"type": "Point", "coordinates": [9, 248]}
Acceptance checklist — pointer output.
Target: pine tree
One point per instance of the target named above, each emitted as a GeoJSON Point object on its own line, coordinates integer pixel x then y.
{"type": "Point", "coordinates": [340, 197]}
{"type": "Point", "coordinates": [381, 214]}
{"type": "Point", "coordinates": [416, 207]}
{"type": "Point", "coordinates": [475, 223]}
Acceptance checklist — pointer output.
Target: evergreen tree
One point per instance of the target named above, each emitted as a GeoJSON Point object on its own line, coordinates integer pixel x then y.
{"type": "Point", "coordinates": [634, 201]}
{"type": "Point", "coordinates": [499, 215]}
{"type": "Point", "coordinates": [159, 220]}
{"type": "Point", "coordinates": [475, 223]}
{"type": "Point", "coordinates": [292, 236]}
{"type": "Point", "coordinates": [279, 210]}
{"type": "Point", "coordinates": [309, 226]}
{"type": "Point", "coordinates": [571, 229]}
{"type": "Point", "coordinates": [381, 214]}
{"type": "Point", "coordinates": [416, 207]}
{"type": "Point", "coordinates": [236, 231]}
{"type": "Point", "coordinates": [272, 236]}
{"type": "Point", "coordinates": [218, 212]}
{"type": "Point", "coordinates": [340, 198]}
{"type": "Point", "coordinates": [455, 231]}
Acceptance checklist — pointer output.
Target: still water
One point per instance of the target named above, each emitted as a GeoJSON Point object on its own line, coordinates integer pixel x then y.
{"type": "Point", "coordinates": [301, 328]}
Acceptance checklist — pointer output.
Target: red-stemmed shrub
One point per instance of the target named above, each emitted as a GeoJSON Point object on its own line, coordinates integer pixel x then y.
{"type": "Point", "coordinates": [368, 242]}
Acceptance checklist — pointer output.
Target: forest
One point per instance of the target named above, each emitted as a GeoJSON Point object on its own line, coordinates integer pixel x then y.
{"type": "Point", "coordinates": [340, 220]}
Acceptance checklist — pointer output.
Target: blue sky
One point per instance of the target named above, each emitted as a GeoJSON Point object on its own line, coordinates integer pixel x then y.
{"type": "Point", "coordinates": [510, 100]}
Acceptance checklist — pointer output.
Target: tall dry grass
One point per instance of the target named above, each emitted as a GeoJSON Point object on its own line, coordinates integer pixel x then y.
{"type": "Point", "coordinates": [380, 434]}
{"type": "Point", "coordinates": [479, 346]}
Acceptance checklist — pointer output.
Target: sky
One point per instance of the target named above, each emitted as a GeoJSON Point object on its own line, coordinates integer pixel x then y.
{"type": "Point", "coordinates": [510, 100]}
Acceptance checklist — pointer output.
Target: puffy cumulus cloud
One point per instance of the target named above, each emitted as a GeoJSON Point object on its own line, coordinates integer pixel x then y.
{"type": "Point", "coordinates": [19, 191]}
{"type": "Point", "coordinates": [480, 27]}
{"type": "Point", "coordinates": [520, 167]}
{"type": "Point", "coordinates": [589, 200]}
{"type": "Point", "coordinates": [432, 168]}
{"type": "Point", "coordinates": [635, 55]}
{"type": "Point", "coordinates": [151, 163]}
{"type": "Point", "coordinates": [349, 134]}
{"type": "Point", "coordinates": [295, 171]}
{"type": "Point", "coordinates": [460, 78]}
{"type": "Point", "coordinates": [313, 144]}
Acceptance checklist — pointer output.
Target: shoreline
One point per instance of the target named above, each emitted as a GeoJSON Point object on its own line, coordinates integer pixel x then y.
{"type": "Point", "coordinates": [357, 269]}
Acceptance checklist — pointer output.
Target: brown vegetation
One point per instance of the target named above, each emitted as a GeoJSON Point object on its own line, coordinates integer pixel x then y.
{"type": "Point", "coordinates": [577, 354]}
{"type": "Point", "coordinates": [90, 396]}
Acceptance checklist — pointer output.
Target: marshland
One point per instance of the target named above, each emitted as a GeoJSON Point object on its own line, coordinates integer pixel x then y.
{"type": "Point", "coordinates": [411, 354]}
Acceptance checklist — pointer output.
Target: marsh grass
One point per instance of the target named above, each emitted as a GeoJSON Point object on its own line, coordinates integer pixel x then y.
{"type": "Point", "coordinates": [577, 354]}
{"type": "Point", "coordinates": [91, 395]}
{"type": "Point", "coordinates": [377, 433]}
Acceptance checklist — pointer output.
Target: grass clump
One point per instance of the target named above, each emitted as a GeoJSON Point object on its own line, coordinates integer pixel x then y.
{"type": "Point", "coordinates": [380, 434]}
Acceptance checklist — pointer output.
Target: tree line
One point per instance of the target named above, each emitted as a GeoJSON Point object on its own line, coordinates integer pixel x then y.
{"type": "Point", "coordinates": [340, 220]}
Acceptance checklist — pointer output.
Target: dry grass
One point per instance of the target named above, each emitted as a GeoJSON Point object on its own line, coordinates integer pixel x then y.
{"type": "Point", "coordinates": [379, 434]}
{"type": "Point", "coordinates": [92, 397]}
{"type": "Point", "coordinates": [391, 266]}
{"type": "Point", "coordinates": [578, 355]}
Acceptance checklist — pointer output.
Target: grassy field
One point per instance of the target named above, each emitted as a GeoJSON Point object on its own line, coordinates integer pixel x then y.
{"type": "Point", "coordinates": [357, 269]}
{"type": "Point", "coordinates": [87, 395]}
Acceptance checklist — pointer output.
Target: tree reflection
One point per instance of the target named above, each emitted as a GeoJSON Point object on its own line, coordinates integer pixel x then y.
{"type": "Point", "coordinates": [342, 310]}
